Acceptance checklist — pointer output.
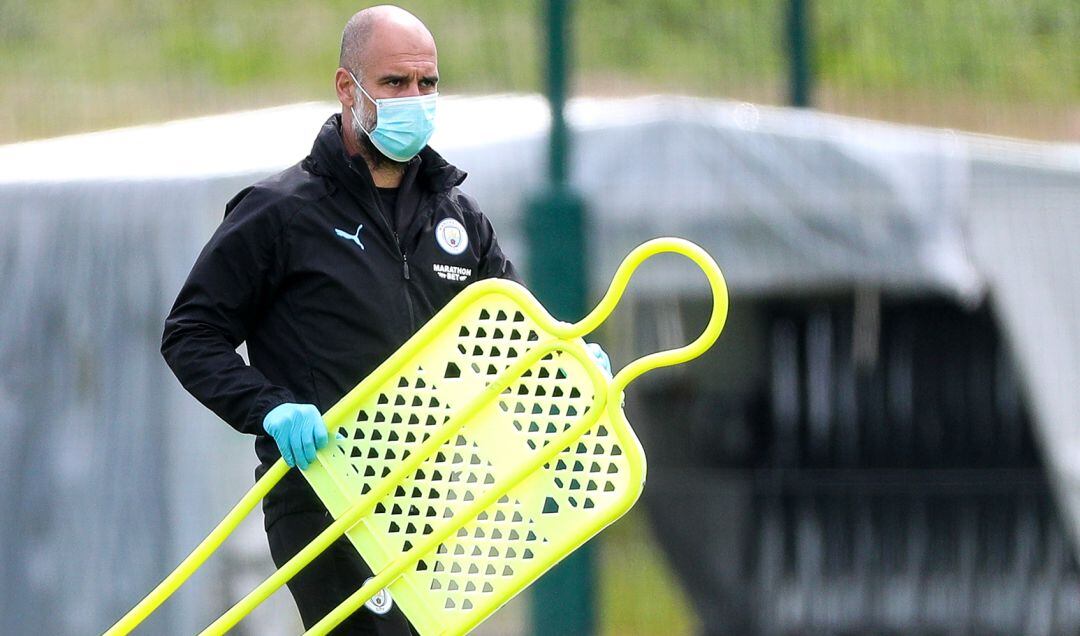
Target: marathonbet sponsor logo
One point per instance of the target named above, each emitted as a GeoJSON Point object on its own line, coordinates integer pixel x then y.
{"type": "Point", "coordinates": [452, 272]}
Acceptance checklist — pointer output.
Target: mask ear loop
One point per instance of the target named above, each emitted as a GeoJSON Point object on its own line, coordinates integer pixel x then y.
{"type": "Point", "coordinates": [615, 291]}
{"type": "Point", "coordinates": [352, 109]}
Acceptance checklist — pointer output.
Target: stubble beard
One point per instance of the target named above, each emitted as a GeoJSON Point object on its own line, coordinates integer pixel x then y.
{"type": "Point", "coordinates": [376, 160]}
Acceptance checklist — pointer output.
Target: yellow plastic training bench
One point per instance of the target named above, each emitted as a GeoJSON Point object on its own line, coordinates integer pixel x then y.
{"type": "Point", "coordinates": [485, 450]}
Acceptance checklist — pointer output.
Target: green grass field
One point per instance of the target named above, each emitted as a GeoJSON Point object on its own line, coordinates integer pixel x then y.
{"type": "Point", "coordinates": [638, 593]}
{"type": "Point", "coordinates": [997, 66]}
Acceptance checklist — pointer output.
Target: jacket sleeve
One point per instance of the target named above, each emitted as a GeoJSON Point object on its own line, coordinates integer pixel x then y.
{"type": "Point", "coordinates": [493, 262]}
{"type": "Point", "coordinates": [231, 282]}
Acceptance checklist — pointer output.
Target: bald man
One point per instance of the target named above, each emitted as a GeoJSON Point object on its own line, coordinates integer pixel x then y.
{"type": "Point", "coordinates": [324, 270]}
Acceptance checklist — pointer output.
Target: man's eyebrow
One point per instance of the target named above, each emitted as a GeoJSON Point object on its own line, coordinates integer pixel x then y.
{"type": "Point", "coordinates": [392, 77]}
{"type": "Point", "coordinates": [431, 78]}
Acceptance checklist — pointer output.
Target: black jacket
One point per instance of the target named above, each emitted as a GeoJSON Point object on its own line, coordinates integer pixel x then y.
{"type": "Point", "coordinates": [319, 300]}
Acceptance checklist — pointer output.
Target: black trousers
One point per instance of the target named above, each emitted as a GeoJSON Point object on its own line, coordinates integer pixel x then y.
{"type": "Point", "coordinates": [331, 578]}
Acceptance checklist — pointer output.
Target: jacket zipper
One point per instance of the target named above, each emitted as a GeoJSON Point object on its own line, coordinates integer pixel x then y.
{"type": "Point", "coordinates": [404, 258]}
{"type": "Point", "coordinates": [408, 284]}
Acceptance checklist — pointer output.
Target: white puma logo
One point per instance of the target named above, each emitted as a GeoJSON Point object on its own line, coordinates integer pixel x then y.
{"type": "Point", "coordinates": [355, 238]}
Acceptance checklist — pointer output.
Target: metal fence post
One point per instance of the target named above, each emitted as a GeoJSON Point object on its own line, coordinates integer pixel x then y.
{"type": "Point", "coordinates": [799, 54]}
{"type": "Point", "coordinates": [562, 601]}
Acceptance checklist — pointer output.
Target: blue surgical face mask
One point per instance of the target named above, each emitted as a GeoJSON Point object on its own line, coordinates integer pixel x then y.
{"type": "Point", "coordinates": [403, 124]}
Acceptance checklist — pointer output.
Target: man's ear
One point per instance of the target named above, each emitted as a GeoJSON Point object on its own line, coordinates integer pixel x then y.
{"type": "Point", "coordinates": [345, 88]}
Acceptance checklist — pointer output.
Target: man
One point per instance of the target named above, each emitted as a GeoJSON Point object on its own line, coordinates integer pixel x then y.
{"type": "Point", "coordinates": [324, 270]}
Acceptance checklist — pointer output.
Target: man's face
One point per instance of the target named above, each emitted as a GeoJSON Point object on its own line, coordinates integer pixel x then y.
{"type": "Point", "coordinates": [400, 61]}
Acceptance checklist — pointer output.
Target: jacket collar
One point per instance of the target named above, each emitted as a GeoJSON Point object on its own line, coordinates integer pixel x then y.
{"type": "Point", "coordinates": [328, 157]}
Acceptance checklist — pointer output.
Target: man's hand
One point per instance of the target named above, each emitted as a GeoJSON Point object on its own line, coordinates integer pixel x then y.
{"type": "Point", "coordinates": [600, 356]}
{"type": "Point", "coordinates": [602, 359]}
{"type": "Point", "coordinates": [299, 431]}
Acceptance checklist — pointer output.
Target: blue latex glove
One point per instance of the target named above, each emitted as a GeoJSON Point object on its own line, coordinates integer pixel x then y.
{"type": "Point", "coordinates": [600, 357]}
{"type": "Point", "coordinates": [299, 431]}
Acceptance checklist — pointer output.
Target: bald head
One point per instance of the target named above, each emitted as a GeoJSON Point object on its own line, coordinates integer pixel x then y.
{"type": "Point", "coordinates": [391, 54]}
{"type": "Point", "coordinates": [383, 26]}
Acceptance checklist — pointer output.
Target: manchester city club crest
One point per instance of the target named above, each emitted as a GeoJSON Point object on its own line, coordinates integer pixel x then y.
{"type": "Point", "coordinates": [450, 235]}
{"type": "Point", "coordinates": [381, 603]}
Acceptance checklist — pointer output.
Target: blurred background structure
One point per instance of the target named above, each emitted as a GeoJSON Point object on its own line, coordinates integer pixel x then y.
{"type": "Point", "coordinates": [886, 439]}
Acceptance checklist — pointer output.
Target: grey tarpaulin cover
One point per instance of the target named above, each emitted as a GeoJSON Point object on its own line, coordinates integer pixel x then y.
{"type": "Point", "coordinates": [112, 473]}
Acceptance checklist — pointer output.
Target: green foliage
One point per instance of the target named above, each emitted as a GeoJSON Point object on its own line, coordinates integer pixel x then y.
{"type": "Point", "coordinates": [68, 65]}
{"type": "Point", "coordinates": [1005, 49]}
